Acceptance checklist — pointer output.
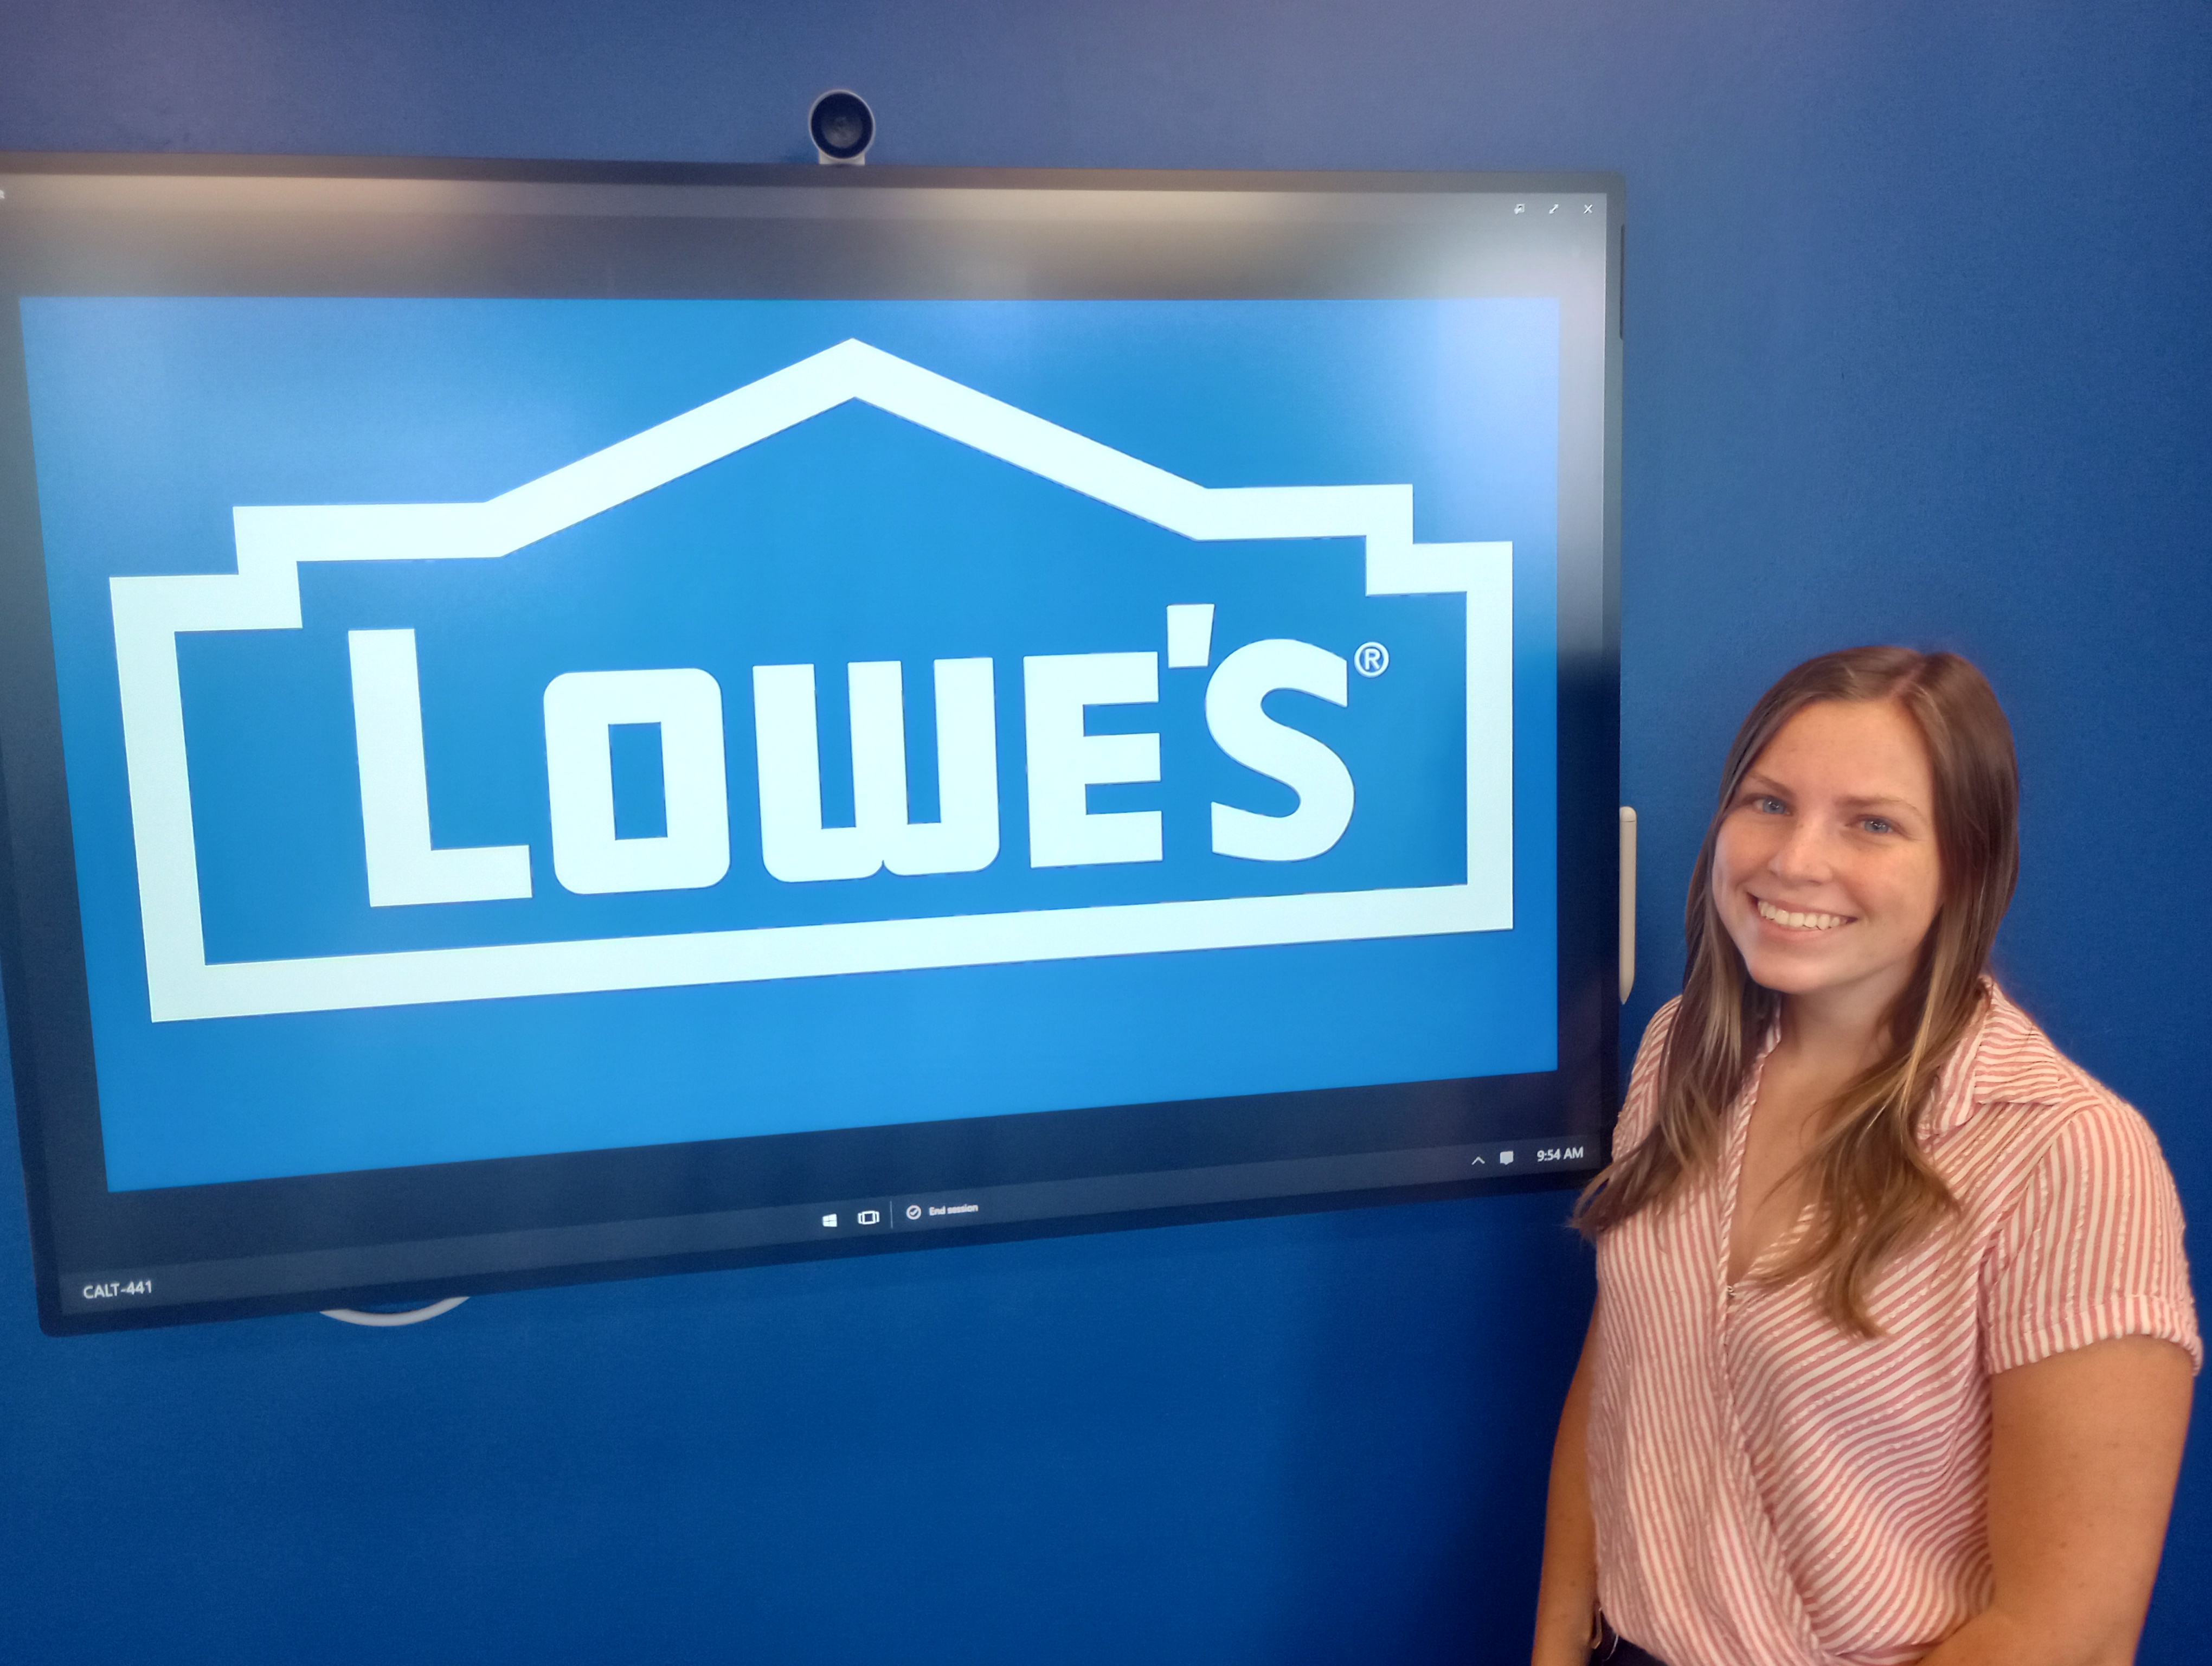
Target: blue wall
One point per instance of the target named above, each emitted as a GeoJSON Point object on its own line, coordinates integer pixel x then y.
{"type": "Point", "coordinates": [1919, 349]}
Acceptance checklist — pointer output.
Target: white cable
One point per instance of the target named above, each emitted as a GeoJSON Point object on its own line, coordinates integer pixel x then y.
{"type": "Point", "coordinates": [1627, 902]}
{"type": "Point", "coordinates": [413, 1316]}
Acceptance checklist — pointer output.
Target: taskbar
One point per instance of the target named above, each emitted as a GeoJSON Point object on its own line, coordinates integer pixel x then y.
{"type": "Point", "coordinates": [503, 1256]}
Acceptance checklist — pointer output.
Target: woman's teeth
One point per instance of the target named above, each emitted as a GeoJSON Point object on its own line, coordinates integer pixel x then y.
{"type": "Point", "coordinates": [1819, 922]}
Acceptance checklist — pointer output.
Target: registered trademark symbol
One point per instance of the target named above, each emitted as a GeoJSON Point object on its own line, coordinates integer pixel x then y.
{"type": "Point", "coordinates": [1372, 660]}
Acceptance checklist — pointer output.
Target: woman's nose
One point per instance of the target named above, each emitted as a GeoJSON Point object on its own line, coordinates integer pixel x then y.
{"type": "Point", "coordinates": [1804, 855]}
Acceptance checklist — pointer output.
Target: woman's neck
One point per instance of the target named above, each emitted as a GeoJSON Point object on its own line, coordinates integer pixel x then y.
{"type": "Point", "coordinates": [1834, 1034]}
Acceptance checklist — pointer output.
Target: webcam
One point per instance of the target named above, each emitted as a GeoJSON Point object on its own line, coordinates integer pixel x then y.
{"type": "Point", "coordinates": [842, 128]}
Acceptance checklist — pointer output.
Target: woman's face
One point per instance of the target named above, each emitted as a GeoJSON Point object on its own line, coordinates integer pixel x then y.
{"type": "Point", "coordinates": [1826, 871]}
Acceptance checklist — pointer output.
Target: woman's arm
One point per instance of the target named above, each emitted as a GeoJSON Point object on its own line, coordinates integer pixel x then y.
{"type": "Point", "coordinates": [2084, 1450]}
{"type": "Point", "coordinates": [1567, 1598]}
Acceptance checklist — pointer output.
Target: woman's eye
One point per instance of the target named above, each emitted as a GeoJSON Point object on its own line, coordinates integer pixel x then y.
{"type": "Point", "coordinates": [1767, 805]}
{"type": "Point", "coordinates": [1879, 825]}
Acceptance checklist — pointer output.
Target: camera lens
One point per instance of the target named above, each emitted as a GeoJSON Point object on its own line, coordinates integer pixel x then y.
{"type": "Point", "coordinates": [842, 125]}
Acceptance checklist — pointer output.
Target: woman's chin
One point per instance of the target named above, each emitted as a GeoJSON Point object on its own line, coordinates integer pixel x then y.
{"type": "Point", "coordinates": [1791, 969]}
{"type": "Point", "coordinates": [1785, 982]}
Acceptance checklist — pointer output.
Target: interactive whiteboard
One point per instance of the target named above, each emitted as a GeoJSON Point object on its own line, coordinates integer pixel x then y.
{"type": "Point", "coordinates": [560, 727]}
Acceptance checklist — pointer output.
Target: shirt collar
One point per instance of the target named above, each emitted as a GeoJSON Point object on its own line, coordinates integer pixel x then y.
{"type": "Point", "coordinates": [1961, 1086]}
{"type": "Point", "coordinates": [2004, 1059]}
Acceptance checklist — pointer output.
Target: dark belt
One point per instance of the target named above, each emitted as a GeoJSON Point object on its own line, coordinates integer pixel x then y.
{"type": "Point", "coordinates": [1614, 1650]}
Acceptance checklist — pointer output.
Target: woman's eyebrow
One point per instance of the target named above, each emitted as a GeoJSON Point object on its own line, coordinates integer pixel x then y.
{"type": "Point", "coordinates": [1878, 803]}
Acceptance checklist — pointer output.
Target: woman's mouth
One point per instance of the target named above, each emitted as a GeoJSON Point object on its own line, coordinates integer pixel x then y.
{"type": "Point", "coordinates": [1800, 921]}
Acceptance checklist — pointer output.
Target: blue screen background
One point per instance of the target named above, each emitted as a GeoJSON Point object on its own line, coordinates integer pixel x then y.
{"type": "Point", "coordinates": [854, 536]}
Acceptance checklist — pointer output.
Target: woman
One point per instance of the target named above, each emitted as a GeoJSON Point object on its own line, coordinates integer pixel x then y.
{"type": "Point", "coordinates": [1893, 1343]}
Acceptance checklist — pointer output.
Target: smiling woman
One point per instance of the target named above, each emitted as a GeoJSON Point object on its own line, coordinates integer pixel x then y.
{"type": "Point", "coordinates": [1825, 873]}
{"type": "Point", "coordinates": [1891, 1354]}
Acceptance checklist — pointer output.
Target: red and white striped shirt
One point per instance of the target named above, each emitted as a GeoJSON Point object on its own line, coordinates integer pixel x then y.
{"type": "Point", "coordinates": [1770, 1489]}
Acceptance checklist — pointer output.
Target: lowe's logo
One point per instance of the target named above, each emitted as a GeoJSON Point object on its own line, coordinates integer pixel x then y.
{"type": "Point", "coordinates": [848, 791]}
{"type": "Point", "coordinates": [592, 857]}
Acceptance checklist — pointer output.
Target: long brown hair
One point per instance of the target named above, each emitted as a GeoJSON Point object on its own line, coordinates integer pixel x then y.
{"type": "Point", "coordinates": [1875, 1191]}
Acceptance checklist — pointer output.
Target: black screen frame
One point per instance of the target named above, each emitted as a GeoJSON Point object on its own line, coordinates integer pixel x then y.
{"type": "Point", "coordinates": [105, 224]}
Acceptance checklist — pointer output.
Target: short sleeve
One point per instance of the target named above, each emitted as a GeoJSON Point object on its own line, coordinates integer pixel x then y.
{"type": "Point", "coordinates": [2092, 1250]}
{"type": "Point", "coordinates": [1641, 1108]}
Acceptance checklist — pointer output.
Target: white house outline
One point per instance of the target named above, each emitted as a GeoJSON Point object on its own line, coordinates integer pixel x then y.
{"type": "Point", "coordinates": [263, 594]}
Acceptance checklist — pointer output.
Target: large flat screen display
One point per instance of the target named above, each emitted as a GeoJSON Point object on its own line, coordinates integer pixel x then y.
{"type": "Point", "coordinates": [565, 724]}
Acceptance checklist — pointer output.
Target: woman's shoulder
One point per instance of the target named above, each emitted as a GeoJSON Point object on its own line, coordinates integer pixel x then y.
{"type": "Point", "coordinates": [2008, 1059]}
{"type": "Point", "coordinates": [2084, 1219]}
{"type": "Point", "coordinates": [1655, 1033]}
{"type": "Point", "coordinates": [2012, 1084]}
{"type": "Point", "coordinates": [1641, 1105]}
